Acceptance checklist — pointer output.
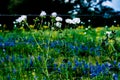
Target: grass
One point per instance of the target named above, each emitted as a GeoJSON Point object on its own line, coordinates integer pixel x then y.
{"type": "Point", "coordinates": [67, 54]}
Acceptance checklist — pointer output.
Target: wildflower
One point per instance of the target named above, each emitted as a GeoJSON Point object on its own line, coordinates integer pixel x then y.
{"type": "Point", "coordinates": [119, 65]}
{"type": "Point", "coordinates": [21, 18]}
{"type": "Point", "coordinates": [72, 1]}
{"type": "Point", "coordinates": [108, 33]}
{"type": "Point", "coordinates": [42, 14]}
{"type": "Point", "coordinates": [52, 28]}
{"type": "Point", "coordinates": [33, 73]}
{"type": "Point", "coordinates": [115, 21]}
{"type": "Point", "coordinates": [14, 71]}
{"type": "Point", "coordinates": [115, 76]}
{"type": "Point", "coordinates": [59, 70]}
{"type": "Point", "coordinates": [58, 24]}
{"type": "Point", "coordinates": [69, 21]}
{"type": "Point", "coordinates": [74, 68]}
{"type": "Point", "coordinates": [86, 29]}
{"type": "Point", "coordinates": [89, 20]}
{"type": "Point", "coordinates": [13, 58]}
{"type": "Point", "coordinates": [8, 77]}
{"type": "Point", "coordinates": [66, 1]}
{"type": "Point", "coordinates": [58, 18]}
{"type": "Point", "coordinates": [54, 14]}
{"type": "Point", "coordinates": [76, 20]}
{"type": "Point", "coordinates": [45, 27]}
{"type": "Point", "coordinates": [39, 58]}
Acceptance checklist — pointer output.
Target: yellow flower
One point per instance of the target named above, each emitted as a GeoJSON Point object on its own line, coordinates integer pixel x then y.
{"type": "Point", "coordinates": [98, 29]}
{"type": "Point", "coordinates": [82, 33]}
{"type": "Point", "coordinates": [31, 26]}
{"type": "Point", "coordinates": [22, 28]}
{"type": "Point", "coordinates": [33, 73]}
{"type": "Point", "coordinates": [80, 27]}
{"type": "Point", "coordinates": [45, 27]}
{"type": "Point", "coordinates": [54, 34]}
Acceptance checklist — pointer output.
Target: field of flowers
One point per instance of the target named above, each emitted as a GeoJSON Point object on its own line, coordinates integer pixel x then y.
{"type": "Point", "coordinates": [46, 51]}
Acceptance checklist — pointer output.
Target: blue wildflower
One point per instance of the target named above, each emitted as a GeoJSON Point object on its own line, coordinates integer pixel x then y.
{"type": "Point", "coordinates": [8, 77]}
{"type": "Point", "coordinates": [55, 66]}
{"type": "Point", "coordinates": [115, 76]}
{"type": "Point", "coordinates": [59, 70]}
{"type": "Point", "coordinates": [13, 58]}
{"type": "Point", "coordinates": [31, 62]}
{"type": "Point", "coordinates": [39, 58]}
{"type": "Point", "coordinates": [14, 71]}
{"type": "Point", "coordinates": [69, 64]}
{"type": "Point", "coordinates": [52, 44]}
{"type": "Point", "coordinates": [119, 65]}
{"type": "Point", "coordinates": [114, 62]}
{"type": "Point", "coordinates": [74, 68]}
{"type": "Point", "coordinates": [92, 75]}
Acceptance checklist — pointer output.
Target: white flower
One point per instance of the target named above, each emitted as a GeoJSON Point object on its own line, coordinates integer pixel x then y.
{"type": "Point", "coordinates": [58, 18]}
{"type": "Point", "coordinates": [108, 33]}
{"type": "Point", "coordinates": [21, 18]}
{"type": "Point", "coordinates": [54, 14]}
{"type": "Point", "coordinates": [43, 13]}
{"type": "Point", "coordinates": [0, 24]}
{"type": "Point", "coordinates": [58, 24]}
{"type": "Point", "coordinates": [76, 20]}
{"type": "Point", "coordinates": [69, 21]}
{"type": "Point", "coordinates": [86, 29]}
{"type": "Point", "coordinates": [52, 28]}
{"type": "Point", "coordinates": [66, 1]}
{"type": "Point", "coordinates": [72, 1]}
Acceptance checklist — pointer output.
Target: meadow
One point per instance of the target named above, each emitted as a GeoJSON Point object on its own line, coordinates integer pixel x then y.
{"type": "Point", "coordinates": [45, 51]}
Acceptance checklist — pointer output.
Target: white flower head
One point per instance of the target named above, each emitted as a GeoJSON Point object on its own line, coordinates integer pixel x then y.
{"type": "Point", "coordinates": [72, 1]}
{"type": "Point", "coordinates": [58, 18]}
{"type": "Point", "coordinates": [76, 20]}
{"type": "Point", "coordinates": [68, 21]}
{"type": "Point", "coordinates": [54, 14]}
{"type": "Point", "coordinates": [21, 18]}
{"type": "Point", "coordinates": [66, 1]}
{"type": "Point", "coordinates": [58, 24]}
{"type": "Point", "coordinates": [52, 28]}
{"type": "Point", "coordinates": [108, 33]}
{"type": "Point", "coordinates": [43, 13]}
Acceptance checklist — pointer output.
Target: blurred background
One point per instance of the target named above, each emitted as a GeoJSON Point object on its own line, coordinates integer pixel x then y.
{"type": "Point", "coordinates": [86, 9]}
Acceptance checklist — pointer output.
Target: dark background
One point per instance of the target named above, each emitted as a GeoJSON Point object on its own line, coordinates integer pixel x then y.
{"type": "Point", "coordinates": [12, 9]}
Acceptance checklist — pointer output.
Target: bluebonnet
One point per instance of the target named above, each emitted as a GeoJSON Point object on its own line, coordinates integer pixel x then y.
{"type": "Point", "coordinates": [13, 58]}
{"type": "Point", "coordinates": [39, 58]}
{"type": "Point", "coordinates": [119, 65]}
{"type": "Point", "coordinates": [10, 44]}
{"type": "Point", "coordinates": [92, 75]}
{"type": "Point", "coordinates": [8, 77]}
{"type": "Point", "coordinates": [69, 64]}
{"type": "Point", "coordinates": [55, 66]}
{"type": "Point", "coordinates": [2, 60]}
{"type": "Point", "coordinates": [83, 47]}
{"type": "Point", "coordinates": [91, 50]}
{"type": "Point", "coordinates": [31, 62]}
{"type": "Point", "coordinates": [14, 70]}
{"type": "Point", "coordinates": [7, 57]}
{"type": "Point", "coordinates": [74, 68]}
{"type": "Point", "coordinates": [53, 44]}
{"type": "Point", "coordinates": [86, 66]}
{"type": "Point", "coordinates": [59, 70]}
{"type": "Point", "coordinates": [115, 76]}
{"type": "Point", "coordinates": [114, 62]}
